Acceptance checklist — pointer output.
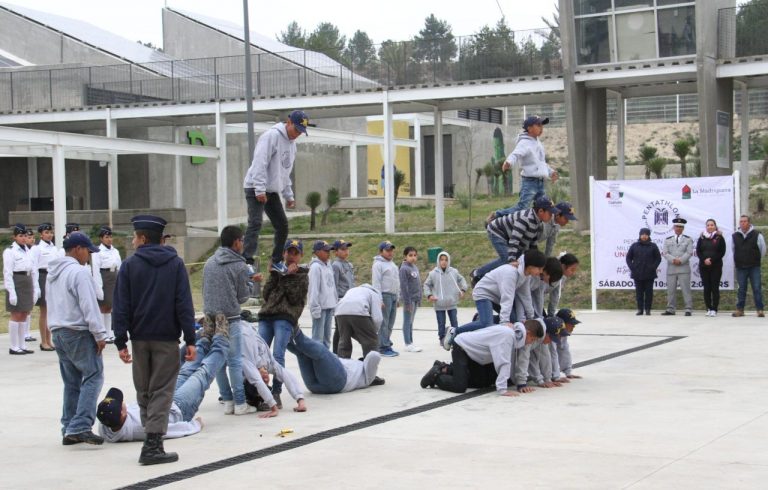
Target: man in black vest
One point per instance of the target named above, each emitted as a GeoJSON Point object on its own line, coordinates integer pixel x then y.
{"type": "Point", "coordinates": [748, 251]}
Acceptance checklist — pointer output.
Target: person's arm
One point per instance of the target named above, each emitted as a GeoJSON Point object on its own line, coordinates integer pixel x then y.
{"type": "Point", "coordinates": [183, 428]}
{"type": "Point", "coordinates": [121, 308]}
{"type": "Point", "coordinates": [185, 311]}
{"type": "Point", "coordinates": [461, 282]}
{"type": "Point", "coordinates": [699, 243]}
{"type": "Point", "coordinates": [262, 155]}
{"type": "Point", "coordinates": [8, 276]}
{"type": "Point", "coordinates": [721, 247]}
{"type": "Point", "coordinates": [86, 300]}
{"type": "Point", "coordinates": [524, 294]}
{"type": "Point", "coordinates": [253, 376]}
{"type": "Point", "coordinates": [315, 283]}
{"type": "Point", "coordinates": [35, 279]}
{"type": "Point", "coordinates": [96, 273]}
{"type": "Point", "coordinates": [630, 257]}
{"type": "Point", "coordinates": [554, 297]}
{"type": "Point", "coordinates": [551, 239]}
{"type": "Point", "coordinates": [761, 244]}
{"type": "Point", "coordinates": [338, 275]}
{"type": "Point", "coordinates": [656, 256]}
{"type": "Point", "coordinates": [502, 362]}
{"type": "Point", "coordinates": [521, 368]}
{"type": "Point", "coordinates": [405, 292]}
{"type": "Point", "coordinates": [555, 362]}
{"type": "Point", "coordinates": [376, 275]}
{"type": "Point", "coordinates": [665, 252]}
{"type": "Point", "coordinates": [428, 285]}
{"type": "Point", "coordinates": [507, 288]}
{"type": "Point", "coordinates": [289, 380]}
{"type": "Point", "coordinates": [534, 367]}
{"type": "Point", "coordinates": [243, 283]}
{"type": "Point", "coordinates": [687, 254]}
{"type": "Point", "coordinates": [269, 287]}
{"type": "Point", "coordinates": [377, 315]}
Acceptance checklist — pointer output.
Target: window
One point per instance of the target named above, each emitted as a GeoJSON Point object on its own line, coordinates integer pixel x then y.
{"type": "Point", "coordinates": [677, 31]}
{"type": "Point", "coordinates": [486, 115]}
{"type": "Point", "coordinates": [587, 7]}
{"type": "Point", "coordinates": [636, 36]}
{"type": "Point", "coordinates": [632, 4]}
{"type": "Point", "coordinates": [593, 40]}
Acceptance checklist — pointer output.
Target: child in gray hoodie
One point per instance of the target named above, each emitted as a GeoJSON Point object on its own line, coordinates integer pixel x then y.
{"type": "Point", "coordinates": [444, 287]}
{"type": "Point", "coordinates": [322, 292]}
{"type": "Point", "coordinates": [410, 295]}
{"type": "Point", "coordinates": [385, 278]}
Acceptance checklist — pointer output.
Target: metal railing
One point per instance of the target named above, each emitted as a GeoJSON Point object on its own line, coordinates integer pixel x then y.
{"type": "Point", "coordinates": [741, 31]}
{"type": "Point", "coordinates": [519, 54]}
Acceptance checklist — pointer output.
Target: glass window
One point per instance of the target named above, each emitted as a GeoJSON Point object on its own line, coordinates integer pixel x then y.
{"type": "Point", "coordinates": [586, 7]}
{"type": "Point", "coordinates": [636, 36]}
{"type": "Point", "coordinates": [661, 3]}
{"type": "Point", "coordinates": [633, 4]}
{"type": "Point", "coordinates": [593, 40]}
{"type": "Point", "coordinates": [677, 31]}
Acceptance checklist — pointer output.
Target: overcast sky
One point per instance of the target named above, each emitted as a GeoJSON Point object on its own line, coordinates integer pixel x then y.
{"type": "Point", "coordinates": [390, 19]}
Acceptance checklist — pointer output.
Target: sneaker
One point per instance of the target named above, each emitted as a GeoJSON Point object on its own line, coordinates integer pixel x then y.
{"type": "Point", "coordinates": [737, 313]}
{"type": "Point", "coordinates": [229, 407]}
{"type": "Point", "coordinates": [448, 339]}
{"type": "Point", "coordinates": [280, 268]}
{"type": "Point", "coordinates": [473, 279]}
{"type": "Point", "coordinates": [714, 313]}
{"type": "Point", "coordinates": [760, 314]}
{"type": "Point", "coordinates": [209, 327]}
{"type": "Point", "coordinates": [430, 379]}
{"type": "Point", "coordinates": [389, 352]}
{"type": "Point", "coordinates": [412, 348]}
{"type": "Point", "coordinates": [668, 313]}
{"type": "Point", "coordinates": [87, 437]}
{"type": "Point", "coordinates": [244, 409]}
{"type": "Point", "coordinates": [377, 381]}
{"type": "Point", "coordinates": [688, 313]}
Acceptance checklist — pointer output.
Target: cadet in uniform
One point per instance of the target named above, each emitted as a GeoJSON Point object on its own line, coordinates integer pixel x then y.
{"type": "Point", "coordinates": [104, 266]}
{"type": "Point", "coordinates": [678, 249]}
{"type": "Point", "coordinates": [43, 253]}
{"type": "Point", "coordinates": [21, 288]}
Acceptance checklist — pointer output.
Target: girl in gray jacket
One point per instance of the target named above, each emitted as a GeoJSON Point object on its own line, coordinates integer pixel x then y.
{"type": "Point", "coordinates": [444, 287]}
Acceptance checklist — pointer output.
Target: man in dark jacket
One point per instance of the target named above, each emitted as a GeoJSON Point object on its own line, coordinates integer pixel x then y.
{"type": "Point", "coordinates": [153, 306]}
{"type": "Point", "coordinates": [643, 258]}
{"type": "Point", "coordinates": [748, 252]}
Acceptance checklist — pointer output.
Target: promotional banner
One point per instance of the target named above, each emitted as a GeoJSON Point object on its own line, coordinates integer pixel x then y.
{"type": "Point", "coordinates": [622, 207]}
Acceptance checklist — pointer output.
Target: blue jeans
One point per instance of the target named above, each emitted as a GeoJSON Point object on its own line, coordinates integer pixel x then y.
{"type": "Point", "coordinates": [390, 313]}
{"type": "Point", "coordinates": [82, 371]}
{"type": "Point", "coordinates": [502, 248]}
{"type": "Point", "coordinates": [484, 319]}
{"type": "Point", "coordinates": [274, 209]}
{"type": "Point", "coordinates": [280, 330]}
{"type": "Point", "coordinates": [320, 368]}
{"type": "Point", "coordinates": [530, 189]}
{"type": "Point", "coordinates": [409, 312]}
{"type": "Point", "coordinates": [321, 327]}
{"type": "Point", "coordinates": [195, 377]}
{"type": "Point", "coordinates": [232, 387]}
{"type": "Point", "coordinates": [441, 321]}
{"type": "Point", "coordinates": [751, 274]}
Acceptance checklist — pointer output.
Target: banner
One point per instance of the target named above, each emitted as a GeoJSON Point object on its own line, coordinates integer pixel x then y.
{"type": "Point", "coordinates": [622, 207]}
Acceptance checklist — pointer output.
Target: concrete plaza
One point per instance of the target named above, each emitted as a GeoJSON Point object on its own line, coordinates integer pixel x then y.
{"type": "Point", "coordinates": [665, 402]}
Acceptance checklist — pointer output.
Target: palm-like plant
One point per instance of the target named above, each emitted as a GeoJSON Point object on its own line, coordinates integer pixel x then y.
{"type": "Point", "coordinates": [682, 148]}
{"type": "Point", "coordinates": [647, 153]}
{"type": "Point", "coordinates": [332, 198]}
{"type": "Point", "coordinates": [313, 201]}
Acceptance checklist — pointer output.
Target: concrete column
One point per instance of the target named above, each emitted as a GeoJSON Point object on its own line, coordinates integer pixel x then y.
{"type": "Point", "coordinates": [439, 191]}
{"type": "Point", "coordinates": [620, 127]}
{"type": "Point", "coordinates": [353, 170]}
{"type": "Point", "coordinates": [178, 177]}
{"type": "Point", "coordinates": [59, 191]}
{"type": "Point", "coordinates": [221, 170]}
{"type": "Point", "coordinates": [389, 175]}
{"type": "Point", "coordinates": [417, 157]}
{"type": "Point", "coordinates": [597, 135]}
{"type": "Point", "coordinates": [744, 169]}
{"type": "Point", "coordinates": [32, 179]}
{"type": "Point", "coordinates": [113, 199]}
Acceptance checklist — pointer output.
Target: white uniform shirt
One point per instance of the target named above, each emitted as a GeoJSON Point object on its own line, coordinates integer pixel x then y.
{"type": "Point", "coordinates": [44, 252]}
{"type": "Point", "coordinates": [105, 258]}
{"type": "Point", "coordinates": [18, 259]}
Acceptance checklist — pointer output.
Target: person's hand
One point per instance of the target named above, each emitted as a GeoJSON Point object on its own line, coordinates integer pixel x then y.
{"type": "Point", "coordinates": [191, 353]}
{"type": "Point", "coordinates": [432, 298]}
{"type": "Point", "coordinates": [554, 176]}
{"type": "Point", "coordinates": [557, 383]}
{"type": "Point", "coordinates": [257, 277]}
{"type": "Point", "coordinates": [547, 384]}
{"type": "Point", "coordinates": [514, 263]}
{"type": "Point", "coordinates": [461, 295]}
{"type": "Point", "coordinates": [100, 344]}
{"type": "Point", "coordinates": [526, 389]}
{"type": "Point", "coordinates": [12, 298]}
{"type": "Point", "coordinates": [574, 376]}
{"type": "Point", "coordinates": [200, 421]}
{"type": "Point", "coordinates": [292, 268]}
{"type": "Point", "coordinates": [301, 406]}
{"type": "Point", "coordinates": [564, 379]}
{"type": "Point", "coordinates": [490, 218]}
{"type": "Point", "coordinates": [506, 166]}
{"type": "Point", "coordinates": [261, 197]}
{"type": "Point", "coordinates": [290, 204]}
{"type": "Point", "coordinates": [125, 356]}
{"type": "Point", "coordinates": [510, 393]}
{"type": "Point", "coordinates": [273, 412]}
{"type": "Point", "coordinates": [708, 261]}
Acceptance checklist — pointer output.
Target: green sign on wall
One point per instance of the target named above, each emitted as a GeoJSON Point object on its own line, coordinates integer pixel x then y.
{"type": "Point", "coordinates": [196, 137]}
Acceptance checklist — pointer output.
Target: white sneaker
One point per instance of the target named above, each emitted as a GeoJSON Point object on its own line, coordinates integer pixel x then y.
{"type": "Point", "coordinates": [412, 348]}
{"type": "Point", "coordinates": [714, 313]}
{"type": "Point", "coordinates": [244, 409]}
{"type": "Point", "coordinates": [229, 407]}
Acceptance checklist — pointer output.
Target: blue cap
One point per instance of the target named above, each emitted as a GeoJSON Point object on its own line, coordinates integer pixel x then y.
{"type": "Point", "coordinates": [565, 209]}
{"type": "Point", "coordinates": [78, 239]}
{"type": "Point", "coordinates": [19, 229]}
{"type": "Point", "coordinates": [341, 244]}
{"type": "Point", "coordinates": [105, 230]}
{"type": "Point", "coordinates": [70, 227]}
{"type": "Point", "coordinates": [109, 409]}
{"type": "Point", "coordinates": [148, 222]}
{"type": "Point", "coordinates": [568, 316]}
{"type": "Point", "coordinates": [295, 243]}
{"type": "Point", "coordinates": [44, 226]}
{"type": "Point", "coordinates": [386, 245]}
{"type": "Point", "coordinates": [300, 120]}
{"type": "Point", "coordinates": [545, 203]}
{"type": "Point", "coordinates": [322, 245]}
{"type": "Point", "coordinates": [533, 120]}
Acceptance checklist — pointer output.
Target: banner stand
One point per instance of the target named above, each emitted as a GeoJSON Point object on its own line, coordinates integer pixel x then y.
{"type": "Point", "coordinates": [737, 195]}
{"type": "Point", "coordinates": [593, 273]}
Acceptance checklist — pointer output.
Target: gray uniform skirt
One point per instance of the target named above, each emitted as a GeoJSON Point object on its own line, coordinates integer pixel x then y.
{"type": "Point", "coordinates": [25, 294]}
{"type": "Point", "coordinates": [42, 275]}
{"type": "Point", "coordinates": [108, 279]}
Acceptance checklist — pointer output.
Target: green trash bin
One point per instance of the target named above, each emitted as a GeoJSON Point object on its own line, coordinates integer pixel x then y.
{"type": "Point", "coordinates": [432, 253]}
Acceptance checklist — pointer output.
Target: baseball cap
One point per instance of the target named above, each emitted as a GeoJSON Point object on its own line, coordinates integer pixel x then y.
{"type": "Point", "coordinates": [545, 203]}
{"type": "Point", "coordinates": [341, 244]}
{"type": "Point", "coordinates": [109, 409]}
{"type": "Point", "coordinates": [386, 245]}
{"type": "Point", "coordinates": [294, 244]}
{"type": "Point", "coordinates": [300, 120]}
{"type": "Point", "coordinates": [568, 316]}
{"type": "Point", "coordinates": [78, 239]}
{"type": "Point", "coordinates": [555, 328]}
{"type": "Point", "coordinates": [322, 245]}
{"type": "Point", "coordinates": [565, 209]}
{"type": "Point", "coordinates": [531, 120]}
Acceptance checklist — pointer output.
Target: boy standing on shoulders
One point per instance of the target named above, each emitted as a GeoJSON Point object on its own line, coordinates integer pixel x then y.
{"type": "Point", "coordinates": [410, 295]}
{"type": "Point", "coordinates": [385, 278]}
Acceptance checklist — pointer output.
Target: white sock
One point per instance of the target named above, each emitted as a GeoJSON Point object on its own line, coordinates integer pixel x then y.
{"type": "Point", "coordinates": [26, 325]}
{"type": "Point", "coordinates": [108, 323]}
{"type": "Point", "coordinates": [13, 332]}
{"type": "Point", "coordinates": [20, 330]}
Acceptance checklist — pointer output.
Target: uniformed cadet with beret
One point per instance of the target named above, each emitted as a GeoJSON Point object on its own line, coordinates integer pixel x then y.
{"type": "Point", "coordinates": [21, 288]}
{"type": "Point", "coordinates": [104, 266]}
{"type": "Point", "coordinates": [42, 254]}
{"type": "Point", "coordinates": [678, 250]}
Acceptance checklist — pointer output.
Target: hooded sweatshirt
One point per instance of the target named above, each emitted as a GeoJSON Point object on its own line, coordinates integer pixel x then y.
{"type": "Point", "coordinates": [444, 284]}
{"type": "Point", "coordinates": [270, 170]}
{"type": "Point", "coordinates": [410, 283]}
{"type": "Point", "coordinates": [500, 286]}
{"type": "Point", "coordinates": [226, 283]}
{"type": "Point", "coordinates": [385, 276]}
{"type": "Point", "coordinates": [256, 354]}
{"type": "Point", "coordinates": [344, 274]}
{"type": "Point", "coordinates": [497, 344]}
{"type": "Point", "coordinates": [322, 287]}
{"type": "Point", "coordinates": [152, 298]}
{"type": "Point", "coordinates": [363, 300]}
{"type": "Point", "coordinates": [71, 298]}
{"type": "Point", "coordinates": [529, 154]}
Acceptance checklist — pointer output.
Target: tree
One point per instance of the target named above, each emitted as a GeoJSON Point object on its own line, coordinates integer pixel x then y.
{"type": "Point", "coordinates": [470, 155]}
{"type": "Point", "coordinates": [293, 36]}
{"type": "Point", "coordinates": [395, 56]}
{"type": "Point", "coordinates": [751, 24]}
{"type": "Point", "coordinates": [491, 53]}
{"type": "Point", "coordinates": [647, 153]}
{"type": "Point", "coordinates": [682, 148]}
{"type": "Point", "coordinates": [764, 168]}
{"type": "Point", "coordinates": [327, 40]}
{"type": "Point", "coordinates": [435, 44]}
{"type": "Point", "coordinates": [360, 50]}
{"type": "Point", "coordinates": [332, 198]}
{"type": "Point", "coordinates": [399, 179]}
{"type": "Point", "coordinates": [313, 201]}
{"type": "Point", "coordinates": [656, 165]}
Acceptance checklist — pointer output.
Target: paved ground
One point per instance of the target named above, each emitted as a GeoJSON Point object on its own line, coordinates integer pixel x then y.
{"type": "Point", "coordinates": [675, 413]}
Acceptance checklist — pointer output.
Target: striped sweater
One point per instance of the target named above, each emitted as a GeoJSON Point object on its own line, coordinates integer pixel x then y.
{"type": "Point", "coordinates": [521, 230]}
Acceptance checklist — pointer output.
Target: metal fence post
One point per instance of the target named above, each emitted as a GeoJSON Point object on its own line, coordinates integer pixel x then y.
{"type": "Point", "coordinates": [11, 90]}
{"type": "Point", "coordinates": [50, 87]}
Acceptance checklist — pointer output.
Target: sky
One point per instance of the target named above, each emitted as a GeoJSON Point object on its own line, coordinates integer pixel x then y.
{"type": "Point", "coordinates": [391, 19]}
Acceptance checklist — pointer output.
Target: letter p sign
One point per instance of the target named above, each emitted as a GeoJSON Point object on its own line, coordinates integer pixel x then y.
{"type": "Point", "coordinates": [197, 138]}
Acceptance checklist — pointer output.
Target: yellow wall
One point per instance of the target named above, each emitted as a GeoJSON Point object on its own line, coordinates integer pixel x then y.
{"type": "Point", "coordinates": [400, 129]}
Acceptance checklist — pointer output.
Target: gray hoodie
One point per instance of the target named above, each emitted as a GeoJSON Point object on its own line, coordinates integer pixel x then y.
{"type": "Point", "coordinates": [322, 287]}
{"type": "Point", "coordinates": [500, 286]}
{"type": "Point", "coordinates": [226, 283]}
{"type": "Point", "coordinates": [71, 298]}
{"type": "Point", "coordinates": [497, 344]}
{"type": "Point", "coordinates": [529, 154]}
{"type": "Point", "coordinates": [270, 170]}
{"type": "Point", "coordinates": [446, 285]}
{"type": "Point", "coordinates": [344, 274]}
{"type": "Point", "coordinates": [364, 300]}
{"type": "Point", "coordinates": [385, 276]}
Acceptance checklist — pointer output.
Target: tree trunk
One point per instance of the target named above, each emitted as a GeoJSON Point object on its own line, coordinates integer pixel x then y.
{"type": "Point", "coordinates": [312, 220]}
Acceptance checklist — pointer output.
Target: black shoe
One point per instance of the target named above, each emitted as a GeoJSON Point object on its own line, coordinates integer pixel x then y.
{"type": "Point", "coordinates": [16, 352]}
{"type": "Point", "coordinates": [27, 351]}
{"type": "Point", "coordinates": [639, 313]}
{"type": "Point", "coordinates": [30, 339]}
{"type": "Point", "coordinates": [47, 349]}
{"type": "Point", "coordinates": [648, 312]}
{"type": "Point", "coordinates": [430, 379]}
{"type": "Point", "coordinates": [668, 313]}
{"type": "Point", "coordinates": [377, 381]}
{"type": "Point", "coordinates": [687, 313]}
{"type": "Point", "coordinates": [473, 279]}
{"type": "Point", "coordinates": [153, 452]}
{"type": "Point", "coordinates": [87, 437]}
